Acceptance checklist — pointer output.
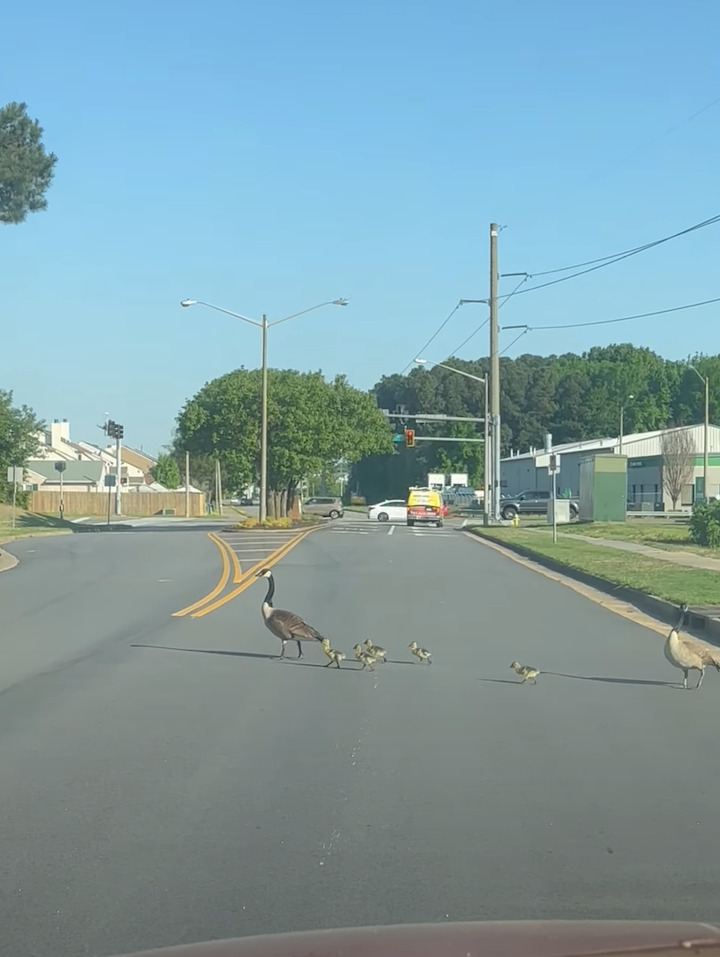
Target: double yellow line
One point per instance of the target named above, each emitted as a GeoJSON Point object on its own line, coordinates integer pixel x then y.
{"type": "Point", "coordinates": [242, 580]}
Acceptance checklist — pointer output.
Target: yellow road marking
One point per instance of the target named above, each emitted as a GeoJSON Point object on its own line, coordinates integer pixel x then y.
{"type": "Point", "coordinates": [621, 608]}
{"type": "Point", "coordinates": [220, 585]}
{"type": "Point", "coordinates": [237, 570]}
{"type": "Point", "coordinates": [249, 577]}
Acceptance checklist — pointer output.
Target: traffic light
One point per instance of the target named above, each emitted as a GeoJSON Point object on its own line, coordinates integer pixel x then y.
{"type": "Point", "coordinates": [409, 438]}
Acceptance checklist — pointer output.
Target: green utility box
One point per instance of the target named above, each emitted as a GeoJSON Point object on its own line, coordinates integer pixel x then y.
{"type": "Point", "coordinates": [603, 488]}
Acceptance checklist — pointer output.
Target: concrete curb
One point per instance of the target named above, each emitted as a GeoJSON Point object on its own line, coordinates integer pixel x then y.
{"type": "Point", "coordinates": [7, 561]}
{"type": "Point", "coordinates": [705, 626]}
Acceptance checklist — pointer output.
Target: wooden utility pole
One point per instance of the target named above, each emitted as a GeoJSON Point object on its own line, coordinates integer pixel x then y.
{"type": "Point", "coordinates": [494, 374]}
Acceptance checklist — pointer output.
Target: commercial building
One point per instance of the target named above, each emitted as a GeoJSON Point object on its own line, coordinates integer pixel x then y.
{"type": "Point", "coordinates": [646, 491]}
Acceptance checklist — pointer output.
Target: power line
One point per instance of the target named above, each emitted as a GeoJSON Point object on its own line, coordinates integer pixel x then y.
{"type": "Point", "coordinates": [610, 260]}
{"type": "Point", "coordinates": [483, 324]}
{"type": "Point", "coordinates": [432, 338]}
{"type": "Point", "coordinates": [641, 315]}
{"type": "Point", "coordinates": [657, 139]}
{"type": "Point", "coordinates": [511, 344]}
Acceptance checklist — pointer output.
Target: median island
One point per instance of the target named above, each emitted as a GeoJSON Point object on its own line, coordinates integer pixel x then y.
{"type": "Point", "coordinates": [661, 578]}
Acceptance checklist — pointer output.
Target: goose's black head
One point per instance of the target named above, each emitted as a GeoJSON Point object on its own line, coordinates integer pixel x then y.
{"type": "Point", "coordinates": [264, 573]}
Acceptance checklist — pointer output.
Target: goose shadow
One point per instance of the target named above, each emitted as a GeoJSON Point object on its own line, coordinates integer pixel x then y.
{"type": "Point", "coordinates": [612, 681]}
{"type": "Point", "coordinates": [599, 678]}
{"type": "Point", "coordinates": [251, 654]}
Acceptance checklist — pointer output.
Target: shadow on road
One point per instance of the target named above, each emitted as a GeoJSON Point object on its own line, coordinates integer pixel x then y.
{"type": "Point", "coordinates": [613, 681]}
{"type": "Point", "coordinates": [604, 680]}
{"type": "Point", "coordinates": [254, 654]}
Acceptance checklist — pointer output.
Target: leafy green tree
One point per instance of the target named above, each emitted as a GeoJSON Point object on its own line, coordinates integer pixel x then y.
{"type": "Point", "coordinates": [26, 169]}
{"type": "Point", "coordinates": [166, 471]}
{"type": "Point", "coordinates": [18, 437]}
{"type": "Point", "coordinates": [312, 424]}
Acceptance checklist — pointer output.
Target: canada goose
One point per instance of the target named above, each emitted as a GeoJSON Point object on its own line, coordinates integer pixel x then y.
{"type": "Point", "coordinates": [527, 672]}
{"type": "Point", "coordinates": [335, 656]}
{"type": "Point", "coordinates": [375, 650]}
{"type": "Point", "coordinates": [365, 658]}
{"type": "Point", "coordinates": [285, 625]}
{"type": "Point", "coordinates": [689, 654]}
{"type": "Point", "coordinates": [422, 654]}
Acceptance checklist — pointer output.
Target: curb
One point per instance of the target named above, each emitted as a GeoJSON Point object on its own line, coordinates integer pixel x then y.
{"type": "Point", "coordinates": [7, 561]}
{"type": "Point", "coordinates": [707, 626]}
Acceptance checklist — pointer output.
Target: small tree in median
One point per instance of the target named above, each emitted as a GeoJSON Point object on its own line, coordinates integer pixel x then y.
{"type": "Point", "coordinates": [678, 461]}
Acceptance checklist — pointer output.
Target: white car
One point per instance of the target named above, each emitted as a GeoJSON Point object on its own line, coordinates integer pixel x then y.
{"type": "Point", "coordinates": [393, 510]}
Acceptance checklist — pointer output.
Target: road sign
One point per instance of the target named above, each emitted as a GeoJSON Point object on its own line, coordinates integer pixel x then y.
{"type": "Point", "coordinates": [109, 481]}
{"type": "Point", "coordinates": [553, 463]}
{"type": "Point", "coordinates": [60, 466]}
{"type": "Point", "coordinates": [15, 475]}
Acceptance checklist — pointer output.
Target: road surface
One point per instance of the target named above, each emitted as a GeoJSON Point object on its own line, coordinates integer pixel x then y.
{"type": "Point", "coordinates": [163, 780]}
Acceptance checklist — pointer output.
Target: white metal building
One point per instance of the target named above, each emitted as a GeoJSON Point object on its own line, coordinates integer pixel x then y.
{"type": "Point", "coordinates": [644, 454]}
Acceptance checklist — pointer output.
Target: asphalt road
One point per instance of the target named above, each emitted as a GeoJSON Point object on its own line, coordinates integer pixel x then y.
{"type": "Point", "coordinates": [197, 789]}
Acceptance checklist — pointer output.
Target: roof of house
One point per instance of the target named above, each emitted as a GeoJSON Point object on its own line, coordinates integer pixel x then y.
{"type": "Point", "coordinates": [75, 472]}
{"type": "Point", "coordinates": [642, 439]}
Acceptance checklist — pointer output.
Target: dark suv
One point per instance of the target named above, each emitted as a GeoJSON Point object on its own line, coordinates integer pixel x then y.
{"type": "Point", "coordinates": [326, 506]}
{"type": "Point", "coordinates": [531, 502]}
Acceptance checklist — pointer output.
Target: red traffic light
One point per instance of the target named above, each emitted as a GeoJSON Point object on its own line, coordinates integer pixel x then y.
{"type": "Point", "coordinates": [409, 438]}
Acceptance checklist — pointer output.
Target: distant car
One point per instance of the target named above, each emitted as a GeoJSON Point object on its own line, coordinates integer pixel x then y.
{"type": "Point", "coordinates": [531, 502]}
{"type": "Point", "coordinates": [392, 510]}
{"type": "Point", "coordinates": [325, 506]}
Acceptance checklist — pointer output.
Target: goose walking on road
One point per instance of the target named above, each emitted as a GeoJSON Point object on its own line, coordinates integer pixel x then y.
{"type": "Point", "coordinates": [285, 625]}
{"type": "Point", "coordinates": [689, 654]}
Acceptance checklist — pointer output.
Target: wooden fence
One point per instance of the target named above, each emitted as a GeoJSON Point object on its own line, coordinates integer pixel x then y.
{"type": "Point", "coordinates": [134, 504]}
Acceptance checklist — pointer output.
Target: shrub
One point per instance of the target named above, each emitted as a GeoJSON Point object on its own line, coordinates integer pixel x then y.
{"type": "Point", "coordinates": [705, 524]}
{"type": "Point", "coordinates": [268, 523]}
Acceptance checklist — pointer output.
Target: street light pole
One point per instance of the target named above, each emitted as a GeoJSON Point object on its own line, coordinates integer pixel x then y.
{"type": "Point", "coordinates": [706, 432]}
{"type": "Point", "coordinates": [264, 325]}
{"type": "Point", "coordinates": [486, 449]}
{"type": "Point", "coordinates": [622, 424]}
{"type": "Point", "coordinates": [264, 424]}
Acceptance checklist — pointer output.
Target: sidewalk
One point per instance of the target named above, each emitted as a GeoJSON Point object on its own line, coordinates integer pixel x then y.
{"type": "Point", "coordinates": [688, 559]}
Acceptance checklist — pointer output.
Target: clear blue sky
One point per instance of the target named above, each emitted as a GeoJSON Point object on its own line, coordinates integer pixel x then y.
{"type": "Point", "coordinates": [266, 155]}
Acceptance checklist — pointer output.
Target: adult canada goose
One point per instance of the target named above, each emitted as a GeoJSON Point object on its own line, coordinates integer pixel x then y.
{"type": "Point", "coordinates": [285, 625]}
{"type": "Point", "coordinates": [689, 654]}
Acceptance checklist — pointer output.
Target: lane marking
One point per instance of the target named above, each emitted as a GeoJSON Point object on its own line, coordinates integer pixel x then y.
{"type": "Point", "coordinates": [249, 576]}
{"type": "Point", "coordinates": [391, 530]}
{"type": "Point", "coordinates": [224, 577]}
{"type": "Point", "coordinates": [621, 608]}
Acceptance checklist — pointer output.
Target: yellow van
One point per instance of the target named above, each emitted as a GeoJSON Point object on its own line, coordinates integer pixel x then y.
{"type": "Point", "coordinates": [425, 506]}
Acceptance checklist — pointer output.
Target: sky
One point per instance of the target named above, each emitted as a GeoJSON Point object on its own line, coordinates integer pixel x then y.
{"type": "Point", "coordinates": [269, 155]}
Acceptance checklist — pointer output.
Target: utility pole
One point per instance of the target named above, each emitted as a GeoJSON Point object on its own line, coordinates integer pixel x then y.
{"type": "Point", "coordinates": [187, 485]}
{"type": "Point", "coordinates": [118, 469]}
{"type": "Point", "coordinates": [706, 440]}
{"type": "Point", "coordinates": [116, 431]}
{"type": "Point", "coordinates": [264, 424]}
{"type": "Point", "coordinates": [494, 373]}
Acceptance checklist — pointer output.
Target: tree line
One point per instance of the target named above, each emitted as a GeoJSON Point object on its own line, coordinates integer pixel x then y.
{"type": "Point", "coordinates": [574, 397]}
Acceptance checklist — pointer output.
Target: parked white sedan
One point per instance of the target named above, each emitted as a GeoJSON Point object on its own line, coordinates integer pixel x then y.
{"type": "Point", "coordinates": [392, 510]}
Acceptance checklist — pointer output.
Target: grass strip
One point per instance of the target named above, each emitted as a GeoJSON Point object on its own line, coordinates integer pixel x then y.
{"type": "Point", "coordinates": [651, 576]}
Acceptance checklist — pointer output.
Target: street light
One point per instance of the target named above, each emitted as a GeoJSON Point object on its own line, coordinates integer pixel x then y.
{"type": "Point", "coordinates": [706, 429]}
{"type": "Point", "coordinates": [264, 325]}
{"type": "Point", "coordinates": [486, 447]}
{"type": "Point", "coordinates": [622, 423]}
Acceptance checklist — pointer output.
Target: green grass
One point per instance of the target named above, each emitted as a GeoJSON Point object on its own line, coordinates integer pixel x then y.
{"type": "Point", "coordinates": [28, 523]}
{"type": "Point", "coordinates": [668, 536]}
{"type": "Point", "coordinates": [649, 575]}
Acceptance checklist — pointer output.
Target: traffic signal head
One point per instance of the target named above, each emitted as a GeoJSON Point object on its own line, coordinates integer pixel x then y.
{"type": "Point", "coordinates": [409, 438]}
{"type": "Point", "coordinates": [119, 431]}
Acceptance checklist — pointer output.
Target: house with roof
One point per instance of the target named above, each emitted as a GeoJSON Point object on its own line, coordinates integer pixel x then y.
{"type": "Point", "coordinates": [646, 491]}
{"type": "Point", "coordinates": [54, 445]}
{"type": "Point", "coordinates": [76, 476]}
